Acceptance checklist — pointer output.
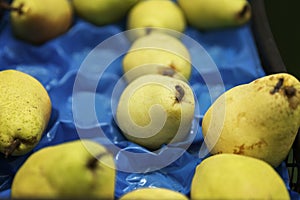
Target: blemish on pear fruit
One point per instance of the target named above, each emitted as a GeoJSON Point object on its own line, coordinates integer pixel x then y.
{"type": "Point", "coordinates": [290, 91]}
{"type": "Point", "coordinates": [277, 86]}
{"type": "Point", "coordinates": [241, 149]}
{"type": "Point", "coordinates": [179, 94]}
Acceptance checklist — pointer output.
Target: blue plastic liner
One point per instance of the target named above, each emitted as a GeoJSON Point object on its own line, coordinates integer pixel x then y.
{"type": "Point", "coordinates": [55, 64]}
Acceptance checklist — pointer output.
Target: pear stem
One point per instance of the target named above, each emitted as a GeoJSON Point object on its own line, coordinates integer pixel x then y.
{"type": "Point", "coordinates": [244, 11]}
{"type": "Point", "coordinates": [14, 145]}
{"type": "Point", "coordinates": [277, 86]}
{"type": "Point", "coordinates": [179, 94]}
{"type": "Point", "coordinates": [92, 163]}
{"type": "Point", "coordinates": [6, 6]}
{"type": "Point", "coordinates": [168, 72]}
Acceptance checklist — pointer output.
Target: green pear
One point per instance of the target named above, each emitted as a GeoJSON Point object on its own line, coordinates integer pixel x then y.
{"type": "Point", "coordinates": [258, 119]}
{"type": "Point", "coordinates": [153, 194]}
{"type": "Point", "coordinates": [164, 14]}
{"type": "Point", "coordinates": [157, 53]}
{"type": "Point", "coordinates": [25, 109]}
{"type": "Point", "coordinates": [230, 176]}
{"type": "Point", "coordinates": [102, 12]}
{"type": "Point", "coordinates": [154, 110]}
{"type": "Point", "coordinates": [76, 169]}
{"type": "Point", "coordinates": [213, 14]}
{"type": "Point", "coordinates": [37, 21]}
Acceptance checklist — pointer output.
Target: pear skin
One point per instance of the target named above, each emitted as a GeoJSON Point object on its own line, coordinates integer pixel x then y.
{"type": "Point", "coordinates": [157, 53]}
{"type": "Point", "coordinates": [37, 21]}
{"type": "Point", "coordinates": [216, 14]}
{"type": "Point", "coordinates": [231, 176]}
{"type": "Point", "coordinates": [153, 194]}
{"type": "Point", "coordinates": [76, 169]}
{"type": "Point", "coordinates": [164, 14]}
{"type": "Point", "coordinates": [154, 110]}
{"type": "Point", "coordinates": [102, 12]}
{"type": "Point", "coordinates": [25, 109]}
{"type": "Point", "coordinates": [259, 119]}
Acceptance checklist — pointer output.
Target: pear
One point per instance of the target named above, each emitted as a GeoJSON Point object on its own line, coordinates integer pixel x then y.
{"type": "Point", "coordinates": [153, 194]}
{"type": "Point", "coordinates": [37, 21]}
{"type": "Point", "coordinates": [258, 119]}
{"type": "Point", "coordinates": [164, 14]}
{"type": "Point", "coordinates": [156, 110]}
{"type": "Point", "coordinates": [216, 14]}
{"type": "Point", "coordinates": [25, 109]}
{"type": "Point", "coordinates": [157, 53]}
{"type": "Point", "coordinates": [230, 176]}
{"type": "Point", "coordinates": [102, 12]}
{"type": "Point", "coordinates": [75, 169]}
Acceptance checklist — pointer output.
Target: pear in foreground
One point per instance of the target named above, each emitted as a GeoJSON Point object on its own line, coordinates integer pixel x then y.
{"type": "Point", "coordinates": [153, 194]}
{"type": "Point", "coordinates": [76, 169]}
{"type": "Point", "coordinates": [37, 21]}
{"type": "Point", "coordinates": [216, 14]}
{"type": "Point", "coordinates": [231, 176]}
{"type": "Point", "coordinates": [154, 110]}
{"type": "Point", "coordinates": [157, 53]}
{"type": "Point", "coordinates": [25, 109]}
{"type": "Point", "coordinates": [258, 119]}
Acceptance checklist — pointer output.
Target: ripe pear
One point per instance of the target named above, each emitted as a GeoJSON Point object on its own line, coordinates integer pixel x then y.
{"type": "Point", "coordinates": [164, 14]}
{"type": "Point", "coordinates": [154, 110]}
{"type": "Point", "coordinates": [75, 169]}
{"type": "Point", "coordinates": [213, 14]}
{"type": "Point", "coordinates": [37, 21]}
{"type": "Point", "coordinates": [25, 109]}
{"type": "Point", "coordinates": [153, 194]}
{"type": "Point", "coordinates": [230, 176]}
{"type": "Point", "coordinates": [102, 12]}
{"type": "Point", "coordinates": [258, 119]}
{"type": "Point", "coordinates": [157, 53]}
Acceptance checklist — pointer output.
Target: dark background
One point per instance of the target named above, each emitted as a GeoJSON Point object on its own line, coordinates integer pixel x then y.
{"type": "Point", "coordinates": [284, 19]}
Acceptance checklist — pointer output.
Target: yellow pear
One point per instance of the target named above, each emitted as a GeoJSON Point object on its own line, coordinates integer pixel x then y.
{"type": "Point", "coordinates": [157, 53]}
{"type": "Point", "coordinates": [164, 14]}
{"type": "Point", "coordinates": [76, 169]}
{"type": "Point", "coordinates": [231, 176]}
{"type": "Point", "coordinates": [154, 110]}
{"type": "Point", "coordinates": [25, 109]}
{"type": "Point", "coordinates": [102, 12]}
{"type": "Point", "coordinates": [153, 194]}
{"type": "Point", "coordinates": [38, 21]}
{"type": "Point", "coordinates": [212, 14]}
{"type": "Point", "coordinates": [258, 119]}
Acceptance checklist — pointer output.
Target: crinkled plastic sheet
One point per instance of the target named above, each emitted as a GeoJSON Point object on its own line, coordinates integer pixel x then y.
{"type": "Point", "coordinates": [56, 63]}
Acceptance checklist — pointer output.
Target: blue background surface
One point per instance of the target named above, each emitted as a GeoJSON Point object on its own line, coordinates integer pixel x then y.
{"type": "Point", "coordinates": [55, 64]}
